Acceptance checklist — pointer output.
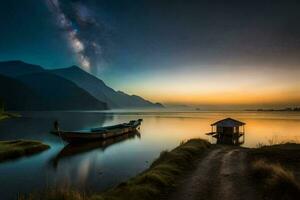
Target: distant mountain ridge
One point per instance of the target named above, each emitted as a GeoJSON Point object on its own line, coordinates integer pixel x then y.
{"type": "Point", "coordinates": [16, 68]}
{"type": "Point", "coordinates": [30, 87]}
{"type": "Point", "coordinates": [97, 88]}
{"type": "Point", "coordinates": [62, 89]}
{"type": "Point", "coordinates": [60, 94]}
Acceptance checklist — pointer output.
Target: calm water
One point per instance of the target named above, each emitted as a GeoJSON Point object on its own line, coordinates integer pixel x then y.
{"type": "Point", "coordinates": [100, 166]}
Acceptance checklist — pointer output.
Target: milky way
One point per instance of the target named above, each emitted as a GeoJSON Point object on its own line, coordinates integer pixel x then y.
{"type": "Point", "coordinates": [82, 32]}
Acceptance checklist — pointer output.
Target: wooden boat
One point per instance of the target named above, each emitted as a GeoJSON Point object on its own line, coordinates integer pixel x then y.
{"type": "Point", "coordinates": [102, 133]}
{"type": "Point", "coordinates": [78, 148]}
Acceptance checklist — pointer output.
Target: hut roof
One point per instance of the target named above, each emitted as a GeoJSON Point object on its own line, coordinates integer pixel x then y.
{"type": "Point", "coordinates": [228, 122]}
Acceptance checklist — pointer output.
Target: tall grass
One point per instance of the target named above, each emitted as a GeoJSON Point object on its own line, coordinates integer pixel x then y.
{"type": "Point", "coordinates": [275, 140]}
{"type": "Point", "coordinates": [275, 181]}
{"type": "Point", "coordinates": [55, 194]}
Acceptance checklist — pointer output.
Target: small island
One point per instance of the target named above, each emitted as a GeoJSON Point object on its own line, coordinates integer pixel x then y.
{"type": "Point", "coordinates": [19, 148]}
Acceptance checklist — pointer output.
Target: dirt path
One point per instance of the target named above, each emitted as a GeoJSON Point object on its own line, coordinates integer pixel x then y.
{"type": "Point", "coordinates": [220, 174]}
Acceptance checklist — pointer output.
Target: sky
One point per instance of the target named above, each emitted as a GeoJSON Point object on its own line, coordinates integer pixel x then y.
{"type": "Point", "coordinates": [189, 52]}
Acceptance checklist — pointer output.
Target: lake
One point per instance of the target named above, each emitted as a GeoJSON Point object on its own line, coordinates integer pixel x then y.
{"type": "Point", "coordinates": [98, 167]}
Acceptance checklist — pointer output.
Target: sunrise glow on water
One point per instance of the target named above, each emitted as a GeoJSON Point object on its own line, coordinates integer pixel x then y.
{"type": "Point", "coordinates": [159, 131]}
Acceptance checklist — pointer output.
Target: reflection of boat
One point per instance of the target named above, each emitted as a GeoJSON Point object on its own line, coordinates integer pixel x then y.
{"type": "Point", "coordinates": [74, 149]}
{"type": "Point", "coordinates": [102, 133]}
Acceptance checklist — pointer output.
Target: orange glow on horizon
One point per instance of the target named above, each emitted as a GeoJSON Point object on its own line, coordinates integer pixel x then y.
{"type": "Point", "coordinates": [248, 86]}
{"type": "Point", "coordinates": [229, 98]}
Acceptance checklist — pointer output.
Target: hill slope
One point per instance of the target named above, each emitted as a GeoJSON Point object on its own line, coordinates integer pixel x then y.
{"type": "Point", "coordinates": [101, 91]}
{"type": "Point", "coordinates": [17, 96]}
{"type": "Point", "coordinates": [64, 89]}
{"type": "Point", "coordinates": [59, 93]}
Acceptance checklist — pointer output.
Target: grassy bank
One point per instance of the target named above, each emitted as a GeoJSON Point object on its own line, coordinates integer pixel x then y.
{"type": "Point", "coordinates": [3, 116]}
{"type": "Point", "coordinates": [18, 148]}
{"type": "Point", "coordinates": [274, 181]}
{"type": "Point", "coordinates": [6, 115]}
{"type": "Point", "coordinates": [287, 155]}
{"type": "Point", "coordinates": [161, 176]}
{"type": "Point", "coordinates": [275, 169]}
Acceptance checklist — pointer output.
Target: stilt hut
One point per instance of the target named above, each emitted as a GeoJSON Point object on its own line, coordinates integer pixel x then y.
{"type": "Point", "coordinates": [228, 131]}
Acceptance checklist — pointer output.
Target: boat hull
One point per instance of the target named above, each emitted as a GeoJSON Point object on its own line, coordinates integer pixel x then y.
{"type": "Point", "coordinates": [100, 134]}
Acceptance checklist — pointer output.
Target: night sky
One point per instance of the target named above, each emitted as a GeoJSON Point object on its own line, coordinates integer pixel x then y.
{"type": "Point", "coordinates": [173, 51]}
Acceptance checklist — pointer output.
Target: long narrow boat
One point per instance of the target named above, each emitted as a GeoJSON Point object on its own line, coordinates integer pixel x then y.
{"type": "Point", "coordinates": [78, 148]}
{"type": "Point", "coordinates": [102, 133]}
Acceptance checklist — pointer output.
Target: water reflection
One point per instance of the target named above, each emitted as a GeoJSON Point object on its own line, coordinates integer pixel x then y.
{"type": "Point", "coordinates": [101, 166]}
{"type": "Point", "coordinates": [36, 125]}
{"type": "Point", "coordinates": [74, 149]}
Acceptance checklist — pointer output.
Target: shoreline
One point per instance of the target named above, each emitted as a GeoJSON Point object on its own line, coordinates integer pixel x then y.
{"type": "Point", "coordinates": [152, 183]}
{"type": "Point", "coordinates": [187, 170]}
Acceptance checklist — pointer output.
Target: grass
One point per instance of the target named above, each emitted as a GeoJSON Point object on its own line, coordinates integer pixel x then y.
{"type": "Point", "coordinates": [18, 148]}
{"type": "Point", "coordinates": [275, 181]}
{"type": "Point", "coordinates": [275, 140]}
{"type": "Point", "coordinates": [55, 194]}
{"type": "Point", "coordinates": [6, 115]}
{"type": "Point", "coordinates": [3, 116]}
{"type": "Point", "coordinates": [150, 184]}
{"type": "Point", "coordinates": [287, 154]}
{"type": "Point", "coordinates": [161, 175]}
{"type": "Point", "coordinates": [275, 170]}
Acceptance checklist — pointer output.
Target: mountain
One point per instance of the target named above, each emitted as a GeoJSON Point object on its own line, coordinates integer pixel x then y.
{"type": "Point", "coordinates": [17, 68]}
{"type": "Point", "coordinates": [97, 88]}
{"type": "Point", "coordinates": [30, 87]}
{"type": "Point", "coordinates": [62, 89]}
{"type": "Point", "coordinates": [17, 96]}
{"type": "Point", "coordinates": [59, 93]}
{"type": "Point", "coordinates": [134, 101]}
